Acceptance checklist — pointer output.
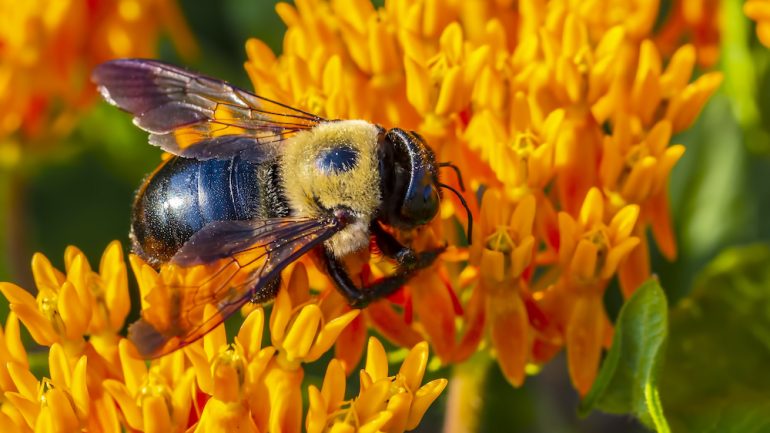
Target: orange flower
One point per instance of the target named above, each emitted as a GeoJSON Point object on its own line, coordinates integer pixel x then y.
{"type": "Point", "coordinates": [48, 49]}
{"type": "Point", "coordinates": [503, 250]}
{"type": "Point", "coordinates": [590, 252]}
{"type": "Point", "coordinates": [696, 22]}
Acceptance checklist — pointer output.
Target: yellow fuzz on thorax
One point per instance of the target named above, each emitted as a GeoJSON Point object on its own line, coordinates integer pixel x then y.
{"type": "Point", "coordinates": [306, 185]}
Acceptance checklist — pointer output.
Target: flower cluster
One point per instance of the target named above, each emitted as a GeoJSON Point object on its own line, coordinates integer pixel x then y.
{"type": "Point", "coordinates": [98, 383]}
{"type": "Point", "coordinates": [559, 115]}
{"type": "Point", "coordinates": [48, 48]}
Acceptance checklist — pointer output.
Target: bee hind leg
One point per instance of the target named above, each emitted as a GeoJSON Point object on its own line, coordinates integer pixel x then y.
{"type": "Point", "coordinates": [409, 262]}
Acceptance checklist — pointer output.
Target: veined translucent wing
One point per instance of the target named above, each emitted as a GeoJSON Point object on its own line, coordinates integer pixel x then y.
{"type": "Point", "coordinates": [223, 266]}
{"type": "Point", "coordinates": [196, 116]}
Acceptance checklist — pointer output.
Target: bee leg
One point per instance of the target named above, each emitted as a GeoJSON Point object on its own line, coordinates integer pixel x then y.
{"type": "Point", "coordinates": [408, 260]}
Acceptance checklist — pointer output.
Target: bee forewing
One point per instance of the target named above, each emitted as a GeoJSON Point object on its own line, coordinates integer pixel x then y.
{"type": "Point", "coordinates": [224, 265]}
{"type": "Point", "coordinates": [195, 116]}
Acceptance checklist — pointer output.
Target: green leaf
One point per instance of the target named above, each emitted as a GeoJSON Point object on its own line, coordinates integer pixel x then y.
{"type": "Point", "coordinates": [628, 379]}
{"type": "Point", "coordinates": [716, 377]}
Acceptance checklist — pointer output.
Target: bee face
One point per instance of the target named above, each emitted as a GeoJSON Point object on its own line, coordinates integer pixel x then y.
{"type": "Point", "coordinates": [410, 180]}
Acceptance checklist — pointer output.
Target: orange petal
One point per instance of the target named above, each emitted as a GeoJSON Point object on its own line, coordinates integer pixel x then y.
{"type": "Point", "coordinates": [509, 332]}
{"type": "Point", "coordinates": [584, 336]}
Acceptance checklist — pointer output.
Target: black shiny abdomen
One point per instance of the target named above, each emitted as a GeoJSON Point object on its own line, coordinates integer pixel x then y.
{"type": "Point", "coordinates": [183, 195]}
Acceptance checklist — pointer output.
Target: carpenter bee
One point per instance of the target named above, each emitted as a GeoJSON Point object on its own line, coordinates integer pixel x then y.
{"type": "Point", "coordinates": [254, 184]}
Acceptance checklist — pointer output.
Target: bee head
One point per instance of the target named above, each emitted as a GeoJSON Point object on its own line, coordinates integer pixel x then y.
{"type": "Point", "coordinates": [409, 180]}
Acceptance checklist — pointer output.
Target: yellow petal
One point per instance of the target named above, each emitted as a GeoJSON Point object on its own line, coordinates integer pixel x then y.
{"type": "Point", "coordinates": [450, 97]}
{"type": "Point", "coordinates": [28, 408]}
{"type": "Point", "coordinates": [16, 295]}
{"type": "Point", "coordinates": [113, 270]}
{"type": "Point", "coordinates": [45, 275]}
{"type": "Point", "coordinates": [25, 382]}
{"type": "Point", "coordinates": [423, 398]}
{"type": "Point", "coordinates": [315, 421]}
{"type": "Point", "coordinates": [123, 398]}
{"type": "Point", "coordinates": [376, 360]}
{"type": "Point", "coordinates": [373, 399]}
{"type": "Point", "coordinates": [301, 335]}
{"type": "Point", "coordinates": [74, 313]}
{"type": "Point", "coordinates": [522, 256]}
{"type": "Point", "coordinates": [329, 333]}
{"type": "Point", "coordinates": [492, 265]}
{"type": "Point", "coordinates": [216, 339]}
{"type": "Point", "coordinates": [250, 334]}
{"type": "Point", "coordinates": [583, 263]}
{"type": "Point", "coordinates": [377, 424]}
{"type": "Point", "coordinates": [333, 389]}
{"type": "Point", "coordinates": [623, 223]}
{"type": "Point", "coordinates": [155, 414]}
{"type": "Point", "coordinates": [592, 211]}
{"type": "Point", "coordinates": [62, 412]}
{"type": "Point", "coordinates": [679, 69]}
{"type": "Point", "coordinates": [134, 370]}
{"type": "Point", "coordinates": [413, 367]}
{"type": "Point", "coordinates": [59, 366]}
{"type": "Point", "coordinates": [398, 406]}
{"type": "Point", "coordinates": [79, 387]}
{"type": "Point", "coordinates": [417, 85]}
{"type": "Point", "coordinates": [523, 217]}
{"type": "Point", "coordinates": [279, 317]}
{"type": "Point", "coordinates": [13, 340]}
{"type": "Point", "coordinates": [617, 254]}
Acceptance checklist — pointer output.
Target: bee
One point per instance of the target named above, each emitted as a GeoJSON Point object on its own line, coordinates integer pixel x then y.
{"type": "Point", "coordinates": [253, 184]}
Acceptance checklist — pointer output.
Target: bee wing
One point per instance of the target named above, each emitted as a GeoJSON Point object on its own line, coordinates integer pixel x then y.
{"type": "Point", "coordinates": [223, 266]}
{"type": "Point", "coordinates": [196, 116]}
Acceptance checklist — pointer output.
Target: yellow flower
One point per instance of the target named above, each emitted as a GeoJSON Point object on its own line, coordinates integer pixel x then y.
{"type": "Point", "coordinates": [75, 304]}
{"type": "Point", "coordinates": [155, 399]}
{"type": "Point", "coordinates": [759, 11]}
{"type": "Point", "coordinates": [385, 403]}
{"type": "Point", "coordinates": [299, 331]}
{"type": "Point", "coordinates": [59, 404]}
{"type": "Point", "coordinates": [233, 375]}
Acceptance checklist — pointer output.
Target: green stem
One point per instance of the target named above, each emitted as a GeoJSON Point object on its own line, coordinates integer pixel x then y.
{"type": "Point", "coordinates": [465, 400]}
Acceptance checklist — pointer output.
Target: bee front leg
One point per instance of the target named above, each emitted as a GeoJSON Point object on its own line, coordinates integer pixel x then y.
{"type": "Point", "coordinates": [409, 262]}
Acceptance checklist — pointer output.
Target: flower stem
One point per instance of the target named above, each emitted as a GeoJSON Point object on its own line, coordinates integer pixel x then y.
{"type": "Point", "coordinates": [465, 400]}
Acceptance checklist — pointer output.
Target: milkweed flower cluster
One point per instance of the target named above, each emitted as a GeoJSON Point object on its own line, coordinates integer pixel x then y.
{"type": "Point", "coordinates": [48, 48]}
{"type": "Point", "coordinates": [96, 381]}
{"type": "Point", "coordinates": [559, 115]}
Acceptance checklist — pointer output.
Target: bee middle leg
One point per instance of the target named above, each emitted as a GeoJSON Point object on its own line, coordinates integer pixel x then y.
{"type": "Point", "coordinates": [409, 262]}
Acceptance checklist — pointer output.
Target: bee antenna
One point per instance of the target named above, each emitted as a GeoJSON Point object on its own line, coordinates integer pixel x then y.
{"type": "Point", "coordinates": [457, 171]}
{"type": "Point", "coordinates": [465, 205]}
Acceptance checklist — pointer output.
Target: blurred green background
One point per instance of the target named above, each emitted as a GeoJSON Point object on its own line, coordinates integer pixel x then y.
{"type": "Point", "coordinates": [81, 194]}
